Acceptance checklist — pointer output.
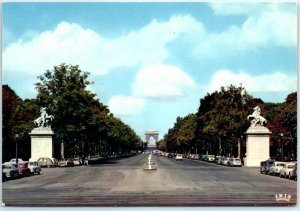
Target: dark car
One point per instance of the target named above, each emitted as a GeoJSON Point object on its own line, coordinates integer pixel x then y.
{"type": "Point", "coordinates": [265, 165]}
{"type": "Point", "coordinates": [23, 169]}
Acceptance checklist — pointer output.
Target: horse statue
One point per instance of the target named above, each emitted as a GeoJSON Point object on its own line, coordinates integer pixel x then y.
{"type": "Point", "coordinates": [43, 120]}
{"type": "Point", "coordinates": [255, 118]}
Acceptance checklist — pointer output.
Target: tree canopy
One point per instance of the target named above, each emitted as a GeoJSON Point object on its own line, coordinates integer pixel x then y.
{"type": "Point", "coordinates": [81, 121]}
{"type": "Point", "coordinates": [221, 121]}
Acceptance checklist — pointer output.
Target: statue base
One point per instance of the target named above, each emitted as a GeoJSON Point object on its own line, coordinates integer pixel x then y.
{"type": "Point", "coordinates": [257, 146]}
{"type": "Point", "coordinates": [41, 143]}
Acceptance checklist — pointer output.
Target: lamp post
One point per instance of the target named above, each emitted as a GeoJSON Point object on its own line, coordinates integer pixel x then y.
{"type": "Point", "coordinates": [281, 135]}
{"type": "Point", "coordinates": [16, 139]}
{"type": "Point", "coordinates": [239, 148]}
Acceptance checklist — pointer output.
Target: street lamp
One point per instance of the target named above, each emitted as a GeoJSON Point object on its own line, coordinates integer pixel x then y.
{"type": "Point", "coordinates": [281, 135]}
{"type": "Point", "coordinates": [16, 139]}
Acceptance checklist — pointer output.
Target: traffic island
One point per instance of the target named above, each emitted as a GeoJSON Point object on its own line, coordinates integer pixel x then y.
{"type": "Point", "coordinates": [150, 165]}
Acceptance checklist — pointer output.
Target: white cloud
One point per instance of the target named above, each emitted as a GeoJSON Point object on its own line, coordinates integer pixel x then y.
{"type": "Point", "coordinates": [162, 82]}
{"type": "Point", "coordinates": [230, 8]}
{"type": "Point", "coordinates": [68, 43]}
{"type": "Point", "coordinates": [266, 24]}
{"type": "Point", "coordinates": [125, 106]}
{"type": "Point", "coordinates": [155, 82]}
{"type": "Point", "coordinates": [72, 44]}
{"type": "Point", "coordinates": [273, 82]}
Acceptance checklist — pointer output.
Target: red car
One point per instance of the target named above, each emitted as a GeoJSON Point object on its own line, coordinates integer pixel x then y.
{"type": "Point", "coordinates": [23, 169]}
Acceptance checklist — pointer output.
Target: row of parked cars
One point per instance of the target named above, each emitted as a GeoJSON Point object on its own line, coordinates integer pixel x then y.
{"type": "Point", "coordinates": [226, 161]}
{"type": "Point", "coordinates": [11, 169]}
{"type": "Point", "coordinates": [220, 160]}
{"type": "Point", "coordinates": [279, 168]}
{"type": "Point", "coordinates": [26, 168]}
{"type": "Point", "coordinates": [95, 159]}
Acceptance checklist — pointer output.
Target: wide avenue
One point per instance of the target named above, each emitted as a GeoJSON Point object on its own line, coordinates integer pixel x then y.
{"type": "Point", "coordinates": [123, 182]}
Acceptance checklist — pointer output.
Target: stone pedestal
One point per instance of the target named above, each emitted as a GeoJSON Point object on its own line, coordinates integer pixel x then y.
{"type": "Point", "coordinates": [257, 146]}
{"type": "Point", "coordinates": [41, 143]}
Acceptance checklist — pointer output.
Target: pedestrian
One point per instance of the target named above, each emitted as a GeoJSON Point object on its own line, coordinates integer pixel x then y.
{"type": "Point", "coordinates": [86, 161]}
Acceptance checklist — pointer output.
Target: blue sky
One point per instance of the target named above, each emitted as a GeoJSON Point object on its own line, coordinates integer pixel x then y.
{"type": "Point", "coordinates": [152, 62]}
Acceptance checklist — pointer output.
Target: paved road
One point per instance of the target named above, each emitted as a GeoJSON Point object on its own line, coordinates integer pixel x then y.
{"type": "Point", "coordinates": [124, 183]}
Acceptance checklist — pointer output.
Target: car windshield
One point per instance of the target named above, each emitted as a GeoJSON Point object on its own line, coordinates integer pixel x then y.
{"type": "Point", "coordinates": [237, 159]}
{"type": "Point", "coordinates": [290, 166]}
{"type": "Point", "coordinates": [280, 164]}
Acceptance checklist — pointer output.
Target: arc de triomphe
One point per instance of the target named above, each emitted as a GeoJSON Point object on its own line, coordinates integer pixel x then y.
{"type": "Point", "coordinates": [151, 133]}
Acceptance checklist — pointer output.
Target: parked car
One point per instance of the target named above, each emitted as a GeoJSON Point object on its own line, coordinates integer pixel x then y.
{"type": "Point", "coordinates": [179, 157]}
{"type": "Point", "coordinates": [9, 170]}
{"type": "Point", "coordinates": [66, 163]}
{"type": "Point", "coordinates": [234, 162]}
{"type": "Point", "coordinates": [286, 170]}
{"type": "Point", "coordinates": [34, 168]}
{"type": "Point", "coordinates": [265, 165]}
{"type": "Point", "coordinates": [96, 159]}
{"type": "Point", "coordinates": [197, 157]}
{"type": "Point", "coordinates": [23, 169]}
{"type": "Point", "coordinates": [275, 168]}
{"type": "Point", "coordinates": [218, 160]}
{"type": "Point", "coordinates": [79, 161]}
{"type": "Point", "coordinates": [203, 157]}
{"type": "Point", "coordinates": [209, 158]}
{"type": "Point", "coordinates": [293, 174]}
{"type": "Point", "coordinates": [14, 160]}
{"type": "Point", "coordinates": [46, 162]}
{"type": "Point", "coordinates": [224, 161]}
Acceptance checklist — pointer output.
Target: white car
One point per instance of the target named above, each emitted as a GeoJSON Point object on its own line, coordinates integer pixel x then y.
{"type": "Point", "coordinates": [34, 168]}
{"type": "Point", "coordinates": [13, 161]}
{"type": "Point", "coordinates": [9, 170]}
{"type": "Point", "coordinates": [275, 168]}
{"type": "Point", "coordinates": [178, 157]}
{"type": "Point", "coordinates": [77, 161]}
{"type": "Point", "coordinates": [224, 161]}
{"type": "Point", "coordinates": [286, 170]}
{"type": "Point", "coordinates": [234, 162]}
{"type": "Point", "coordinates": [210, 158]}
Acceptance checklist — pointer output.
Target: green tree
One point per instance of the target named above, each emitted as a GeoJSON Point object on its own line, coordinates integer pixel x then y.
{"type": "Point", "coordinates": [222, 119]}
{"type": "Point", "coordinates": [186, 135]}
{"type": "Point", "coordinates": [64, 91]}
{"type": "Point", "coordinates": [121, 138]}
{"type": "Point", "coordinates": [283, 124]}
{"type": "Point", "coordinates": [10, 102]}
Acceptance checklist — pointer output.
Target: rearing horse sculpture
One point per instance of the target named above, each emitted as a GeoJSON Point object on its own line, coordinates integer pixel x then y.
{"type": "Point", "coordinates": [43, 120]}
{"type": "Point", "coordinates": [256, 117]}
